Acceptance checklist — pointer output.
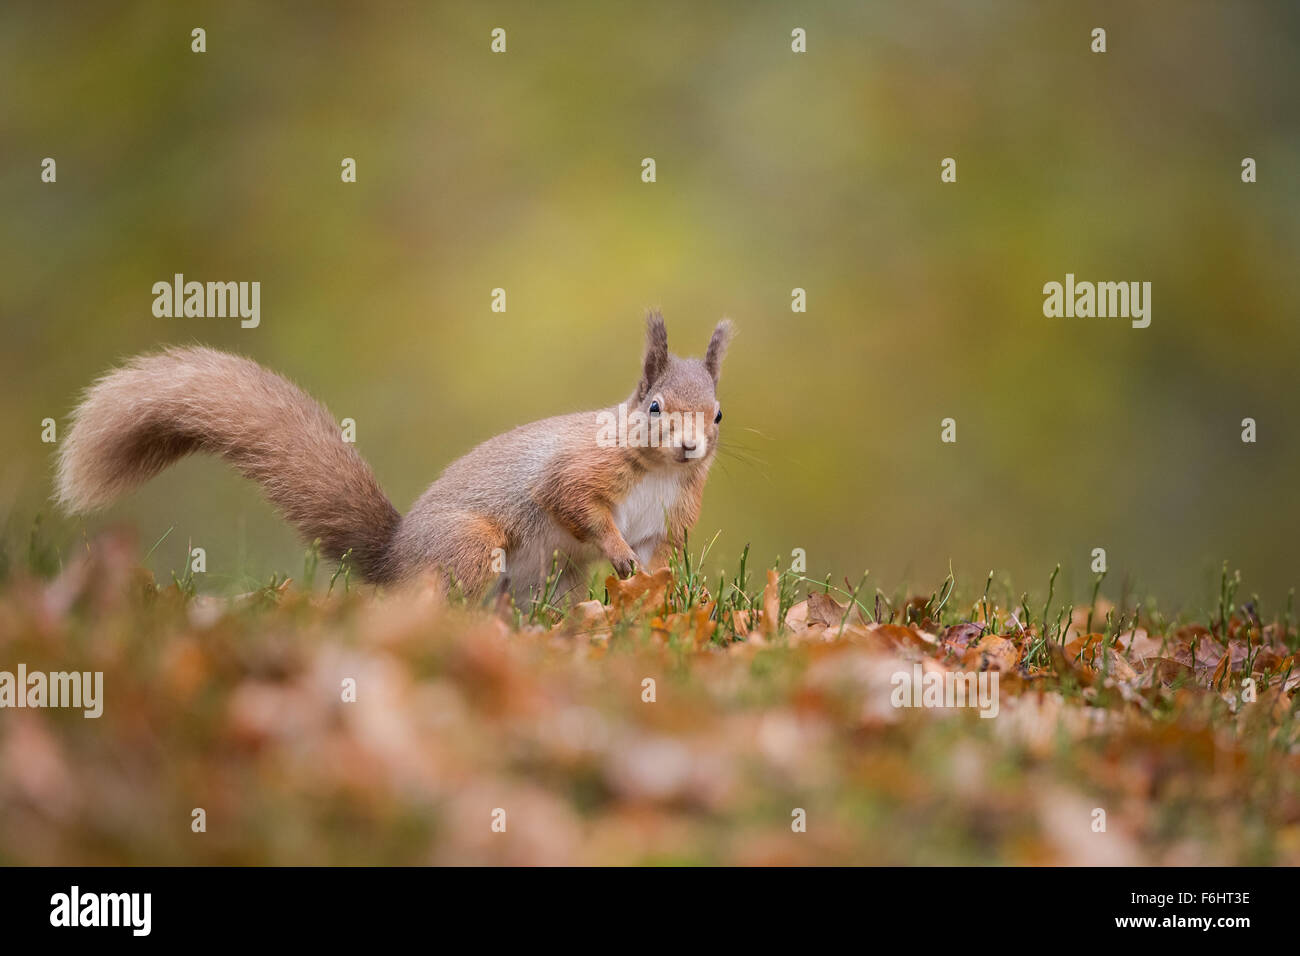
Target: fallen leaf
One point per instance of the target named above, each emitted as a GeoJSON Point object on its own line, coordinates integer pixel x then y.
{"type": "Point", "coordinates": [993, 653]}
{"type": "Point", "coordinates": [960, 635]}
{"type": "Point", "coordinates": [642, 591]}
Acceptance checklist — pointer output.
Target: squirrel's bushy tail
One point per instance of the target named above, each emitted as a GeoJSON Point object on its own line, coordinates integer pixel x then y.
{"type": "Point", "coordinates": [140, 418]}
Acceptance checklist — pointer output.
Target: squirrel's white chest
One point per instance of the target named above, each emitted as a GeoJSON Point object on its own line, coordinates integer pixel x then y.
{"type": "Point", "coordinates": [640, 516]}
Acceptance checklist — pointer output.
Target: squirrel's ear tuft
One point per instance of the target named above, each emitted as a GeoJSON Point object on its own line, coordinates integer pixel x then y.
{"type": "Point", "coordinates": [656, 352]}
{"type": "Point", "coordinates": [717, 349]}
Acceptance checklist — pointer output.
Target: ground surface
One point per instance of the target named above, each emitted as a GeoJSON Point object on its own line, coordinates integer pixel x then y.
{"type": "Point", "coordinates": [658, 726]}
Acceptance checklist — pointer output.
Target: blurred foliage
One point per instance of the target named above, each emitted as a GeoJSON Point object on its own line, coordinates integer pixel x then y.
{"type": "Point", "coordinates": [237, 706]}
{"type": "Point", "coordinates": [774, 171]}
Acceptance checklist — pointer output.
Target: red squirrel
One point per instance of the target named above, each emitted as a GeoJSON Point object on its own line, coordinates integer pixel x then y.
{"type": "Point", "coordinates": [550, 486]}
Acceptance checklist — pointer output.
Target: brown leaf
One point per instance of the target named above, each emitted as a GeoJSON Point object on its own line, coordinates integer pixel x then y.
{"type": "Point", "coordinates": [796, 619]}
{"type": "Point", "coordinates": [1221, 672]}
{"type": "Point", "coordinates": [902, 636]}
{"type": "Point", "coordinates": [824, 609]}
{"type": "Point", "coordinates": [1166, 670]}
{"type": "Point", "coordinates": [960, 635]}
{"type": "Point", "coordinates": [589, 618]}
{"type": "Point", "coordinates": [642, 591]}
{"type": "Point", "coordinates": [1118, 666]}
{"type": "Point", "coordinates": [993, 653]}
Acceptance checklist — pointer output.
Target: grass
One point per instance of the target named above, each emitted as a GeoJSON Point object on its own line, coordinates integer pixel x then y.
{"type": "Point", "coordinates": [771, 693]}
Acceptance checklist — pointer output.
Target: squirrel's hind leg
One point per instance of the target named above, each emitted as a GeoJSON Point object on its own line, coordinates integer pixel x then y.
{"type": "Point", "coordinates": [472, 552]}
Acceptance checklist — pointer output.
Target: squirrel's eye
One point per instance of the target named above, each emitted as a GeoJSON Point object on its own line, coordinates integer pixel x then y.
{"type": "Point", "coordinates": [654, 408]}
{"type": "Point", "coordinates": [718, 417]}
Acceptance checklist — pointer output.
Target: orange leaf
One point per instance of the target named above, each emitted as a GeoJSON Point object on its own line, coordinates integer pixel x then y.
{"type": "Point", "coordinates": [642, 591]}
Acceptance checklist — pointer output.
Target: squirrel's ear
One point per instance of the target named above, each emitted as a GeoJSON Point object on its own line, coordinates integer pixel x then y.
{"type": "Point", "coordinates": [717, 349]}
{"type": "Point", "coordinates": [656, 352]}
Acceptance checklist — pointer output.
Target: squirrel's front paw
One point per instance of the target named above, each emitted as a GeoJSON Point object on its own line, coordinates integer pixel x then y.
{"type": "Point", "coordinates": [624, 567]}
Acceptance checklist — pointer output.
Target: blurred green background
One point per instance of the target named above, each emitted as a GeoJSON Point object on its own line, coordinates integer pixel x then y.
{"type": "Point", "coordinates": [775, 170]}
